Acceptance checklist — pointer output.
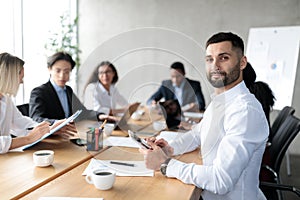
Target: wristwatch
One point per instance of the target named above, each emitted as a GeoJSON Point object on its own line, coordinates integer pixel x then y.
{"type": "Point", "coordinates": [163, 167]}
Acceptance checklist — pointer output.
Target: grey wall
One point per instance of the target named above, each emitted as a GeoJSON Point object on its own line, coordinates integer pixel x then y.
{"type": "Point", "coordinates": [143, 37]}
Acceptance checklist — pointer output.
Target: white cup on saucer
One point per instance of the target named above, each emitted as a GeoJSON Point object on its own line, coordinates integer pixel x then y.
{"type": "Point", "coordinates": [101, 179]}
{"type": "Point", "coordinates": [108, 129]}
{"type": "Point", "coordinates": [43, 158]}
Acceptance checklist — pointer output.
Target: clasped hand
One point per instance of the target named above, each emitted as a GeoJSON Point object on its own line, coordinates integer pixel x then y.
{"type": "Point", "coordinates": [159, 152]}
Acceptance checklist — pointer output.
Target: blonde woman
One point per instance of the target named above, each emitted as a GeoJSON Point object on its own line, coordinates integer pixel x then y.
{"type": "Point", "coordinates": [12, 122]}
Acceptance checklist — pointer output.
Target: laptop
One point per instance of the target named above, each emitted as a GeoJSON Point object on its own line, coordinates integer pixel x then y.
{"type": "Point", "coordinates": [172, 113]}
{"type": "Point", "coordinates": [123, 124]}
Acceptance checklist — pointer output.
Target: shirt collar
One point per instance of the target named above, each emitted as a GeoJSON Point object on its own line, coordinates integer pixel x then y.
{"type": "Point", "coordinates": [56, 87]}
{"type": "Point", "coordinates": [231, 93]}
{"type": "Point", "coordinates": [181, 84]}
{"type": "Point", "coordinates": [102, 89]}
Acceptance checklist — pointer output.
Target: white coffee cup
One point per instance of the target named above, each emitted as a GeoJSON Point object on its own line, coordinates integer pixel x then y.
{"type": "Point", "coordinates": [108, 129]}
{"type": "Point", "coordinates": [43, 158]}
{"type": "Point", "coordinates": [102, 180]}
{"type": "Point", "coordinates": [159, 125]}
{"type": "Point", "coordinates": [136, 116]}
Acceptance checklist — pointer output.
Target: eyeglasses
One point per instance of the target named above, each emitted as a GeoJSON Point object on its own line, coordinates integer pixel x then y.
{"type": "Point", "coordinates": [108, 72]}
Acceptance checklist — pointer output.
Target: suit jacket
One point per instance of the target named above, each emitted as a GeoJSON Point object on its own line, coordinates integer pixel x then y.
{"type": "Point", "coordinates": [191, 91]}
{"type": "Point", "coordinates": [44, 105]}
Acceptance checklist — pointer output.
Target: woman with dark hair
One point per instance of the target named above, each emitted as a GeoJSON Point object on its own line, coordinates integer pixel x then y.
{"type": "Point", "coordinates": [105, 96]}
{"type": "Point", "coordinates": [261, 90]}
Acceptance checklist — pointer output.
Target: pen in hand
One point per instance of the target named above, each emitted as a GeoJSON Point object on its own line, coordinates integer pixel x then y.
{"type": "Point", "coordinates": [121, 163]}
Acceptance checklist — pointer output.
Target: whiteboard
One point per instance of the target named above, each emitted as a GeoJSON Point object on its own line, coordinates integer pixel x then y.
{"type": "Point", "coordinates": [273, 52]}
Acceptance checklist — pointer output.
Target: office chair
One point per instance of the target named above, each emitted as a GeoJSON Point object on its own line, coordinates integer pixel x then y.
{"type": "Point", "coordinates": [280, 143]}
{"type": "Point", "coordinates": [281, 187]}
{"type": "Point", "coordinates": [287, 110]}
{"type": "Point", "coordinates": [282, 115]}
{"type": "Point", "coordinates": [24, 109]}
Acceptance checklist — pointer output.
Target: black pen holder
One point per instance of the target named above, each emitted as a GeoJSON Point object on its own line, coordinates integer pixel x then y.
{"type": "Point", "coordinates": [94, 139]}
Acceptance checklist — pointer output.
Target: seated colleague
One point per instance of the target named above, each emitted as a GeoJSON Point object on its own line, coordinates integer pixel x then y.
{"type": "Point", "coordinates": [261, 90]}
{"type": "Point", "coordinates": [11, 119]}
{"type": "Point", "coordinates": [101, 86]}
{"type": "Point", "coordinates": [188, 92]}
{"type": "Point", "coordinates": [55, 100]}
{"type": "Point", "coordinates": [232, 133]}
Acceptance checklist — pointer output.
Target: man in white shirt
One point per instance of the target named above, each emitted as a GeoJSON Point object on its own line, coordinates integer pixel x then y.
{"type": "Point", "coordinates": [232, 133]}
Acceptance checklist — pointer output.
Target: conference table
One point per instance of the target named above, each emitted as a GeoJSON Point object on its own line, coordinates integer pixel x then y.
{"type": "Point", "coordinates": [73, 183]}
{"type": "Point", "coordinates": [19, 176]}
{"type": "Point", "coordinates": [20, 179]}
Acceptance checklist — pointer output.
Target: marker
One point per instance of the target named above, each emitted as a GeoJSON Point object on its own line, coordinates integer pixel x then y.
{"type": "Point", "coordinates": [121, 163]}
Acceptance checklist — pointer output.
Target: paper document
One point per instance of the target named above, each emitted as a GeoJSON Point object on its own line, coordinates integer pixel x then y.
{"type": "Point", "coordinates": [120, 141]}
{"type": "Point", "coordinates": [169, 136]}
{"type": "Point", "coordinates": [68, 120]}
{"type": "Point", "coordinates": [125, 168]}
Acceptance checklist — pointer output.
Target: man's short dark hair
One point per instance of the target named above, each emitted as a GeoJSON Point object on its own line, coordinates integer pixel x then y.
{"type": "Point", "coordinates": [60, 56]}
{"type": "Point", "coordinates": [235, 40]}
{"type": "Point", "coordinates": [178, 66]}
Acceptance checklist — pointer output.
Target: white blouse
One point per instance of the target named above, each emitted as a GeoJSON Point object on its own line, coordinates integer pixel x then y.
{"type": "Point", "coordinates": [11, 122]}
{"type": "Point", "coordinates": [99, 99]}
{"type": "Point", "coordinates": [232, 136]}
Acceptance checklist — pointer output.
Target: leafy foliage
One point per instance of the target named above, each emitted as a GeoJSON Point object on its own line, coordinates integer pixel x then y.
{"type": "Point", "coordinates": [66, 38]}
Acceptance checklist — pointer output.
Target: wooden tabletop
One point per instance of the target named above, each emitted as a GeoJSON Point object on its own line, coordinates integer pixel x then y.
{"type": "Point", "coordinates": [19, 176]}
{"type": "Point", "coordinates": [73, 184]}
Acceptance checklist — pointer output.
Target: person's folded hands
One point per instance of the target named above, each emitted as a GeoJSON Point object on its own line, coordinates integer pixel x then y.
{"type": "Point", "coordinates": [153, 157]}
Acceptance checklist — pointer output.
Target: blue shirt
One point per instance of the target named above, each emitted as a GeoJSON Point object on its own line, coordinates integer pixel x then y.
{"type": "Point", "coordinates": [62, 95]}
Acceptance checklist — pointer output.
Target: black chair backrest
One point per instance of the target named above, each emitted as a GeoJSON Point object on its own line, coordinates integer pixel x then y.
{"type": "Point", "coordinates": [281, 141]}
{"type": "Point", "coordinates": [24, 109]}
{"type": "Point", "coordinates": [282, 115]}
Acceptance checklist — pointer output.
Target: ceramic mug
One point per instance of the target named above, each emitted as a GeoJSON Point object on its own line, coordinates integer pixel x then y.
{"type": "Point", "coordinates": [43, 158]}
{"type": "Point", "coordinates": [102, 180]}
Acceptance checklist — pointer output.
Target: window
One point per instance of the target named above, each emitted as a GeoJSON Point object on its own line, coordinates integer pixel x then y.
{"type": "Point", "coordinates": [28, 25]}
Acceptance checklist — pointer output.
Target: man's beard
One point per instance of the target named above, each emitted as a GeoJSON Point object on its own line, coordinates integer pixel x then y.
{"type": "Point", "coordinates": [226, 79]}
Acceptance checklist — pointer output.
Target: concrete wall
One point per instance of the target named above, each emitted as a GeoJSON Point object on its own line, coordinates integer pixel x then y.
{"type": "Point", "coordinates": [143, 37]}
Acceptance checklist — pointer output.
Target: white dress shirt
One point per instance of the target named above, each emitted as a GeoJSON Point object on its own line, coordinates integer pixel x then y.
{"type": "Point", "coordinates": [11, 122]}
{"type": "Point", "coordinates": [232, 136]}
{"type": "Point", "coordinates": [102, 100]}
{"type": "Point", "coordinates": [178, 91]}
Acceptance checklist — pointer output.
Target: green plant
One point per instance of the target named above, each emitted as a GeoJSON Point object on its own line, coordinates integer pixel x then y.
{"type": "Point", "coordinates": [66, 38]}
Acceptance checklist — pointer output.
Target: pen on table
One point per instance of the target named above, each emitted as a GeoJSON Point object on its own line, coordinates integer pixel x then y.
{"type": "Point", "coordinates": [121, 163]}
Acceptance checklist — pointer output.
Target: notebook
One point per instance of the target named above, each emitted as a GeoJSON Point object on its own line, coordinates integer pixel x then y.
{"type": "Point", "coordinates": [68, 120]}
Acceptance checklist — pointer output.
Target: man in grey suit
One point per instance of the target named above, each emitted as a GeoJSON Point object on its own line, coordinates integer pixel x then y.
{"type": "Point", "coordinates": [187, 91]}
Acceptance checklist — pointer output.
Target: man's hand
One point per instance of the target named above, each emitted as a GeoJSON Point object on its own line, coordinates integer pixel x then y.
{"type": "Point", "coordinates": [163, 144]}
{"type": "Point", "coordinates": [67, 131]}
{"type": "Point", "coordinates": [153, 157]}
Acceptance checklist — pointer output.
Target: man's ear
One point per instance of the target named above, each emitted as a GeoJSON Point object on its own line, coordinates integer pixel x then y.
{"type": "Point", "coordinates": [243, 62]}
